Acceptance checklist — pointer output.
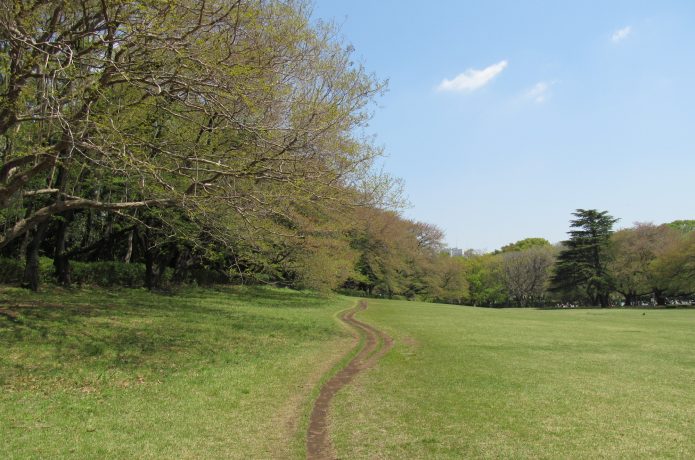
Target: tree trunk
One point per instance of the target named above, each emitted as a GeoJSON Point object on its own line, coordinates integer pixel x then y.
{"type": "Point", "coordinates": [31, 270]}
{"type": "Point", "coordinates": [659, 297]}
{"type": "Point", "coordinates": [148, 255]}
{"type": "Point", "coordinates": [156, 263]}
{"type": "Point", "coordinates": [27, 236]}
{"type": "Point", "coordinates": [25, 244]}
{"type": "Point", "coordinates": [90, 221]}
{"type": "Point", "coordinates": [181, 267]}
{"type": "Point", "coordinates": [149, 270]}
{"type": "Point", "coordinates": [630, 299]}
{"type": "Point", "coordinates": [88, 228]}
{"type": "Point", "coordinates": [603, 300]}
{"type": "Point", "coordinates": [162, 264]}
{"type": "Point", "coordinates": [129, 251]}
{"type": "Point", "coordinates": [61, 261]}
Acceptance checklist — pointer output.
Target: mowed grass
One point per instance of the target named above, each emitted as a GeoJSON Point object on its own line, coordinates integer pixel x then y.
{"type": "Point", "coordinates": [129, 374]}
{"type": "Point", "coordinates": [464, 382]}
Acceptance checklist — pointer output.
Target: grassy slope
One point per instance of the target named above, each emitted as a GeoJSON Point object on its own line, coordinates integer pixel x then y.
{"type": "Point", "coordinates": [128, 374]}
{"type": "Point", "coordinates": [464, 382]}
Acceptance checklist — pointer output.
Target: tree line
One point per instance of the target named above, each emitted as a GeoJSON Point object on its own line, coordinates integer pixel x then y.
{"type": "Point", "coordinates": [596, 266]}
{"type": "Point", "coordinates": [157, 143]}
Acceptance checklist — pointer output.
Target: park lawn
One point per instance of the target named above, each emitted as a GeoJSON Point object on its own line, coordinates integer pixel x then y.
{"type": "Point", "coordinates": [465, 382]}
{"type": "Point", "coordinates": [226, 373]}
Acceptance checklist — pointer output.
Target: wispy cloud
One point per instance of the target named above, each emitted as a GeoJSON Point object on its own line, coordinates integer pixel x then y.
{"type": "Point", "coordinates": [540, 92]}
{"type": "Point", "coordinates": [621, 34]}
{"type": "Point", "coordinates": [472, 79]}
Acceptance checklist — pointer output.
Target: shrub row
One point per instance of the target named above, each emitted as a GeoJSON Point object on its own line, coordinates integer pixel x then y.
{"type": "Point", "coordinates": [104, 273]}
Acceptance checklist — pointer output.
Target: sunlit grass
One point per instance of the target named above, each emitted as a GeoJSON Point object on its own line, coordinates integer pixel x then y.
{"type": "Point", "coordinates": [230, 374]}
{"type": "Point", "coordinates": [129, 374]}
{"type": "Point", "coordinates": [468, 383]}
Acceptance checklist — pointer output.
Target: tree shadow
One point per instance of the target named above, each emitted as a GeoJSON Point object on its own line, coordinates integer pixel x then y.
{"type": "Point", "coordinates": [150, 331]}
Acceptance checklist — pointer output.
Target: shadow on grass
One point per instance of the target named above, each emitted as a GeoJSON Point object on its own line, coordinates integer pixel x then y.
{"type": "Point", "coordinates": [274, 297]}
{"type": "Point", "coordinates": [133, 329]}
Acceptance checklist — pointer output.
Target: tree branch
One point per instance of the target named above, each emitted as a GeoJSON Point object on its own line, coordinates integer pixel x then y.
{"type": "Point", "coordinates": [24, 225]}
{"type": "Point", "coordinates": [18, 181]}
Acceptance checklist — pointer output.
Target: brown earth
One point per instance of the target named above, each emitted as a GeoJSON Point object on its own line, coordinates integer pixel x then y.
{"type": "Point", "coordinates": [318, 441]}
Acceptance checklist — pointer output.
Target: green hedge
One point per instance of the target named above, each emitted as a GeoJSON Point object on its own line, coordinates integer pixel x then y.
{"type": "Point", "coordinates": [107, 274]}
{"type": "Point", "coordinates": [104, 274]}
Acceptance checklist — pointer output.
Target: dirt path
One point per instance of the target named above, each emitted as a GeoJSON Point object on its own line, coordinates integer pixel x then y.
{"type": "Point", "coordinates": [318, 442]}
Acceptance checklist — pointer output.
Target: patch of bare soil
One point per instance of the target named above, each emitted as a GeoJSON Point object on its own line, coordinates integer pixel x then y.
{"type": "Point", "coordinates": [376, 345]}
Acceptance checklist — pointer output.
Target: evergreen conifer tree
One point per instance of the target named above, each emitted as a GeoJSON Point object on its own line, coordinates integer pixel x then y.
{"type": "Point", "coordinates": [582, 264]}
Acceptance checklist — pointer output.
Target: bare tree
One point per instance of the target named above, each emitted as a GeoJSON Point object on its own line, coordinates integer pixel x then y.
{"type": "Point", "coordinates": [526, 273]}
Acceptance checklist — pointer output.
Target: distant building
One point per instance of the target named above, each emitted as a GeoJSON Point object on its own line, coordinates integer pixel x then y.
{"type": "Point", "coordinates": [454, 252]}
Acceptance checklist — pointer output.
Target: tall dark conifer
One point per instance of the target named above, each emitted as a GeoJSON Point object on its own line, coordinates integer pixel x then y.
{"type": "Point", "coordinates": [582, 265]}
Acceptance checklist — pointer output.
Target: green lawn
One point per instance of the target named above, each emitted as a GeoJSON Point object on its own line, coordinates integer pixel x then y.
{"type": "Point", "coordinates": [231, 374]}
{"type": "Point", "coordinates": [465, 382]}
{"type": "Point", "coordinates": [129, 374]}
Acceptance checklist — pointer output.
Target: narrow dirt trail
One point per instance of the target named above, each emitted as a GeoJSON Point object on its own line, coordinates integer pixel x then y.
{"type": "Point", "coordinates": [318, 441]}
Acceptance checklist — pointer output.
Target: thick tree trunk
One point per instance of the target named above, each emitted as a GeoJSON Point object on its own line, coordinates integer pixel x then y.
{"type": "Point", "coordinates": [31, 270]}
{"type": "Point", "coordinates": [25, 244]}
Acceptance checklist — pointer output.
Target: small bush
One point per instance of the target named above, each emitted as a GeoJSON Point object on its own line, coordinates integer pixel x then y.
{"type": "Point", "coordinates": [352, 292]}
{"type": "Point", "coordinates": [206, 277]}
{"type": "Point", "coordinates": [11, 270]}
{"type": "Point", "coordinates": [107, 274]}
{"type": "Point", "coordinates": [46, 270]}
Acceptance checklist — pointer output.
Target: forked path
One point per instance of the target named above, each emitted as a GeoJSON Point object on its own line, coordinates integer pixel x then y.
{"type": "Point", "coordinates": [376, 344]}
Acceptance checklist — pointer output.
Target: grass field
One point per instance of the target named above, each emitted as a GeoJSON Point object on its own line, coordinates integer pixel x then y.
{"type": "Point", "coordinates": [522, 383]}
{"type": "Point", "coordinates": [128, 374]}
{"type": "Point", "coordinates": [231, 373]}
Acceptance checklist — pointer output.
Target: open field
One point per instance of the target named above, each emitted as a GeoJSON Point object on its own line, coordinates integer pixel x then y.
{"type": "Point", "coordinates": [128, 374]}
{"type": "Point", "coordinates": [232, 374]}
{"type": "Point", "coordinates": [522, 383]}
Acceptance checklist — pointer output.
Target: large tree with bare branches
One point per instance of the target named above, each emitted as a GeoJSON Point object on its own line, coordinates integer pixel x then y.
{"type": "Point", "coordinates": [239, 109]}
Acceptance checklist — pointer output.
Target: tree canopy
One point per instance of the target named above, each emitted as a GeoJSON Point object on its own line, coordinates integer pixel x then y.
{"type": "Point", "coordinates": [238, 117]}
{"type": "Point", "coordinates": [526, 243]}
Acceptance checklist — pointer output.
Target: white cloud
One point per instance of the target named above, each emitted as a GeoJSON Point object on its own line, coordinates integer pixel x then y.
{"type": "Point", "coordinates": [621, 34]}
{"type": "Point", "coordinates": [539, 93]}
{"type": "Point", "coordinates": [472, 79]}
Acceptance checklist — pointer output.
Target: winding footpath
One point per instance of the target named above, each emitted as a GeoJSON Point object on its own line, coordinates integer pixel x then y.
{"type": "Point", "coordinates": [376, 345]}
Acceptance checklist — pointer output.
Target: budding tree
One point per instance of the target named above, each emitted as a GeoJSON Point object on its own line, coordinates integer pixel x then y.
{"type": "Point", "coordinates": [116, 105]}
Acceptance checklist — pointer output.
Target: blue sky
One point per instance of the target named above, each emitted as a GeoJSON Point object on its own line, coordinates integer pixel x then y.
{"type": "Point", "coordinates": [502, 117]}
